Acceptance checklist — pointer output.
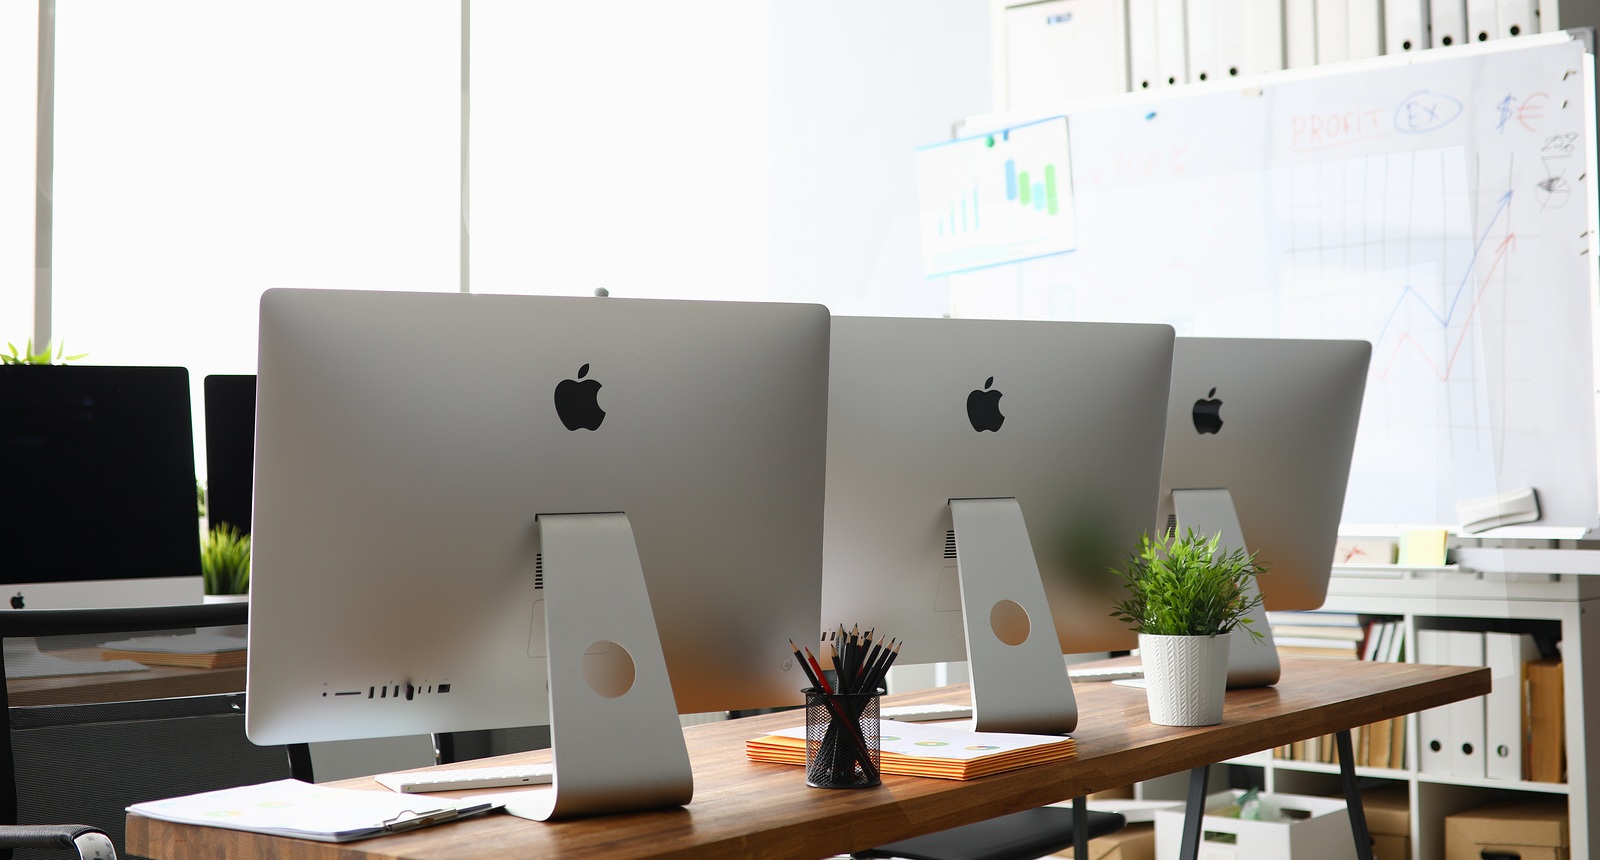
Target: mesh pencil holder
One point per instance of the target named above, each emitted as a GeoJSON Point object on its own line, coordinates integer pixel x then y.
{"type": "Point", "coordinates": [843, 740]}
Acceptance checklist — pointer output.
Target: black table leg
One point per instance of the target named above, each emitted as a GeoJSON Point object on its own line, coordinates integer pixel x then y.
{"type": "Point", "coordinates": [1194, 813]}
{"type": "Point", "coordinates": [1352, 796]}
{"type": "Point", "coordinates": [1080, 826]}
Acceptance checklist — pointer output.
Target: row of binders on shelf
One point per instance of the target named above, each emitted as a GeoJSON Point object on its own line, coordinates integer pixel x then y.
{"type": "Point", "coordinates": [1517, 731]}
{"type": "Point", "coordinates": [1344, 636]}
{"type": "Point", "coordinates": [1179, 41]}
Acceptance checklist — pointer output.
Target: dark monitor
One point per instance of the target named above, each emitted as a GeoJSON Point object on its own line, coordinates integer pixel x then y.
{"type": "Point", "coordinates": [230, 448]}
{"type": "Point", "coordinates": [97, 464]}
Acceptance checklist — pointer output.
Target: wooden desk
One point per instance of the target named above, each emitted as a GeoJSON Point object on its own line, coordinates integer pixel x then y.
{"type": "Point", "coordinates": [156, 682]}
{"type": "Point", "coordinates": [746, 809]}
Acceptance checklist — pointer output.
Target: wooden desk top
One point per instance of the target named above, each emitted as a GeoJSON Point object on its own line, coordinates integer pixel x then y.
{"type": "Point", "coordinates": [748, 809]}
{"type": "Point", "coordinates": [156, 682]}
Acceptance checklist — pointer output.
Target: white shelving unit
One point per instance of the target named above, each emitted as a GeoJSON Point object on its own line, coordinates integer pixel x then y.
{"type": "Point", "coordinates": [1469, 600]}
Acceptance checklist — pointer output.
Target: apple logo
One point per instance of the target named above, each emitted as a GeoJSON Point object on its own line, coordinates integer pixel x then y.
{"type": "Point", "coordinates": [983, 408]}
{"type": "Point", "coordinates": [578, 403]}
{"type": "Point", "coordinates": [16, 601]}
{"type": "Point", "coordinates": [1208, 413]}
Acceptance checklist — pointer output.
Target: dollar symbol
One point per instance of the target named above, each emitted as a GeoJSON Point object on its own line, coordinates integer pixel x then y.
{"type": "Point", "coordinates": [1505, 114]}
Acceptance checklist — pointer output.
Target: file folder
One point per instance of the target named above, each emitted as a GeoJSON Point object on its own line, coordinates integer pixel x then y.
{"type": "Point", "coordinates": [1483, 20]}
{"type": "Point", "coordinates": [1405, 26]}
{"type": "Point", "coordinates": [1433, 725]}
{"type": "Point", "coordinates": [1333, 31]}
{"type": "Point", "coordinates": [1518, 17]}
{"type": "Point", "coordinates": [1299, 34]}
{"type": "Point", "coordinates": [1447, 22]}
{"type": "Point", "coordinates": [1202, 19]}
{"type": "Point", "coordinates": [1263, 34]}
{"type": "Point", "coordinates": [1365, 28]}
{"type": "Point", "coordinates": [1144, 58]}
{"type": "Point", "coordinates": [1172, 42]}
{"type": "Point", "coordinates": [1504, 729]}
{"type": "Point", "coordinates": [1466, 717]}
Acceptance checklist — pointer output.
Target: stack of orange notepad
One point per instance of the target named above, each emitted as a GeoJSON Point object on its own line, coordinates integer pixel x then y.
{"type": "Point", "coordinates": [931, 749]}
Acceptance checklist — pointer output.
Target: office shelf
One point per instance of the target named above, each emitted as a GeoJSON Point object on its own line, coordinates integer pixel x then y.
{"type": "Point", "coordinates": [1554, 603]}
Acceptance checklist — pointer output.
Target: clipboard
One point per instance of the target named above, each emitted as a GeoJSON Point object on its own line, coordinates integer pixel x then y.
{"type": "Point", "coordinates": [302, 810]}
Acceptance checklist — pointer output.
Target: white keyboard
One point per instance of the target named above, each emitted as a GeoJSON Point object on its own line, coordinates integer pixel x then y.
{"type": "Point", "coordinates": [924, 713]}
{"type": "Point", "coordinates": [1117, 673]}
{"type": "Point", "coordinates": [421, 781]}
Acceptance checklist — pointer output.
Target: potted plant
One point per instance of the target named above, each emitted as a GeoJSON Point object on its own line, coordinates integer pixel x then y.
{"type": "Point", "coordinates": [28, 356]}
{"type": "Point", "coordinates": [1184, 597]}
{"type": "Point", "coordinates": [225, 564]}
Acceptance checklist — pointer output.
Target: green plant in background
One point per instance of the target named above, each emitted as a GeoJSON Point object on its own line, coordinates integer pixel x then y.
{"type": "Point", "coordinates": [28, 356]}
{"type": "Point", "coordinates": [1183, 586]}
{"type": "Point", "coordinates": [225, 560]}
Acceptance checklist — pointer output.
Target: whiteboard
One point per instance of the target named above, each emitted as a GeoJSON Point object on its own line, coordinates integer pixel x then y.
{"type": "Point", "coordinates": [1440, 206]}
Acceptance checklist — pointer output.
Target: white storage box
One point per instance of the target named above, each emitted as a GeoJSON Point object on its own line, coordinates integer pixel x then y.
{"type": "Point", "coordinates": [1293, 828]}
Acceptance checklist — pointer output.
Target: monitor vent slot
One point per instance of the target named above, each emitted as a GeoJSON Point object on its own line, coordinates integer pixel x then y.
{"type": "Point", "coordinates": [950, 544]}
{"type": "Point", "coordinates": [1172, 525]}
{"type": "Point", "coordinates": [538, 570]}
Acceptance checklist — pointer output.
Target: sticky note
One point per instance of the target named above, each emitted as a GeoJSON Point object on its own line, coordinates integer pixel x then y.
{"type": "Point", "coordinates": [1423, 547]}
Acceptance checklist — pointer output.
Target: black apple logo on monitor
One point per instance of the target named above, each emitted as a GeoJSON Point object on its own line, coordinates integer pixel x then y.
{"type": "Point", "coordinates": [1208, 413]}
{"type": "Point", "coordinates": [983, 408]}
{"type": "Point", "coordinates": [17, 601]}
{"type": "Point", "coordinates": [578, 402]}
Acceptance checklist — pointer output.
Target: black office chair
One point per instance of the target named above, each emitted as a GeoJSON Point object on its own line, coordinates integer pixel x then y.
{"type": "Point", "coordinates": [1020, 836]}
{"type": "Point", "coordinates": [87, 762]}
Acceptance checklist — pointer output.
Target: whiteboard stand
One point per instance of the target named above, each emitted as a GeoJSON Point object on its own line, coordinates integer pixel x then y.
{"type": "Point", "coordinates": [1019, 677]}
{"type": "Point", "coordinates": [1251, 662]}
{"type": "Point", "coordinates": [609, 689]}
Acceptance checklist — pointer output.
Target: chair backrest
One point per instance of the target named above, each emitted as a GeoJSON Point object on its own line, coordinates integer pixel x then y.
{"type": "Point", "coordinates": [100, 741]}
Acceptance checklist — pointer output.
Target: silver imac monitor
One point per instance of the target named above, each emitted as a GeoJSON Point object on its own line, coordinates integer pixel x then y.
{"type": "Point", "coordinates": [983, 478]}
{"type": "Point", "coordinates": [1259, 438]}
{"type": "Point", "coordinates": [448, 484]}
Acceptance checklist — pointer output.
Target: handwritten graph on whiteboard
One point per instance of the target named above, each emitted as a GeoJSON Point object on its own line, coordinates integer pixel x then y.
{"type": "Point", "coordinates": [1440, 209]}
{"type": "Point", "coordinates": [996, 198]}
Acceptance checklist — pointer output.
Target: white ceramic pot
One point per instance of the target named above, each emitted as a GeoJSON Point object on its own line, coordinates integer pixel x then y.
{"type": "Point", "coordinates": [1185, 678]}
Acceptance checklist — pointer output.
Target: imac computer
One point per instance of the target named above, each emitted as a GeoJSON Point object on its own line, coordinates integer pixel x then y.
{"type": "Point", "coordinates": [983, 478]}
{"type": "Point", "coordinates": [98, 463]}
{"type": "Point", "coordinates": [230, 448]}
{"type": "Point", "coordinates": [1259, 438]}
{"type": "Point", "coordinates": [461, 499]}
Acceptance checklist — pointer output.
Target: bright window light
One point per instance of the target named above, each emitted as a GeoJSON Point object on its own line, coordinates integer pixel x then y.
{"type": "Point", "coordinates": [208, 151]}
{"type": "Point", "coordinates": [623, 145]}
{"type": "Point", "coordinates": [19, 41]}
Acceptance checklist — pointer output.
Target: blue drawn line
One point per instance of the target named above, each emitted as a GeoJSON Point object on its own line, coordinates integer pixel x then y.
{"type": "Point", "coordinates": [1444, 321]}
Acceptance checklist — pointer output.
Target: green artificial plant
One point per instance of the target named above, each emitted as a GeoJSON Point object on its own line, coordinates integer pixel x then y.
{"type": "Point", "coordinates": [225, 560]}
{"type": "Point", "coordinates": [28, 356]}
{"type": "Point", "coordinates": [1185, 586]}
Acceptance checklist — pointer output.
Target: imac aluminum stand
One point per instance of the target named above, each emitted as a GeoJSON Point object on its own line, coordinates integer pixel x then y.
{"type": "Point", "coordinates": [615, 738]}
{"type": "Point", "coordinates": [1019, 678]}
{"type": "Point", "coordinates": [1251, 663]}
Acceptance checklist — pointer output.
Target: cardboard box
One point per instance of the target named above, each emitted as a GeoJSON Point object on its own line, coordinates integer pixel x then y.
{"type": "Point", "coordinates": [1529, 829]}
{"type": "Point", "coordinates": [1386, 847]}
{"type": "Point", "coordinates": [1388, 811]}
{"type": "Point", "coordinates": [1320, 830]}
{"type": "Point", "coordinates": [1134, 842]}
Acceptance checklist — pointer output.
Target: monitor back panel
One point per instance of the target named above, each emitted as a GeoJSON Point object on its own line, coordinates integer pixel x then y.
{"type": "Point", "coordinates": [1079, 447]}
{"type": "Point", "coordinates": [406, 443]}
{"type": "Point", "coordinates": [1279, 420]}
